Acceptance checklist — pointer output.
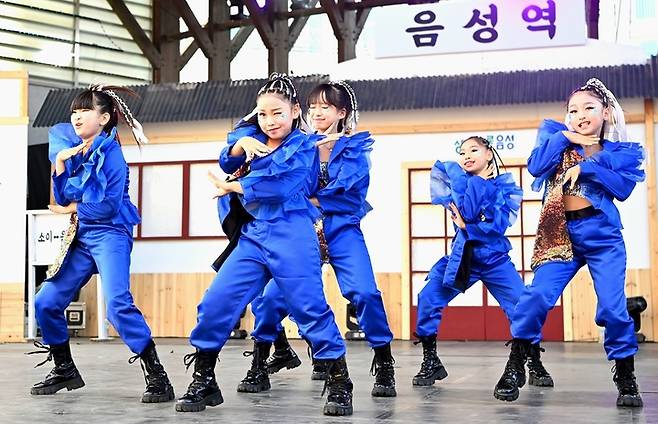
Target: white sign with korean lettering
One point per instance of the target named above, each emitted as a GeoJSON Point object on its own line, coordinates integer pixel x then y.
{"type": "Point", "coordinates": [477, 25]}
{"type": "Point", "coordinates": [47, 234]}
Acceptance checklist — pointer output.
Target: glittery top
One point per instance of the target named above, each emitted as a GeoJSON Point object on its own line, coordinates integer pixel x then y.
{"type": "Point", "coordinates": [323, 177]}
{"type": "Point", "coordinates": [553, 242]}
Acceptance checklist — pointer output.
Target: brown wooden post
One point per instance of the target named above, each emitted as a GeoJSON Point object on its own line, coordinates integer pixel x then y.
{"type": "Point", "coordinates": [166, 22]}
{"type": "Point", "coordinates": [219, 64]}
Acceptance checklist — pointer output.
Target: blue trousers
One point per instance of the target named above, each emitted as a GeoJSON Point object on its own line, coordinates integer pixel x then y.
{"type": "Point", "coordinates": [599, 244]}
{"type": "Point", "coordinates": [285, 249]}
{"type": "Point", "coordinates": [102, 249]}
{"type": "Point", "coordinates": [348, 256]}
{"type": "Point", "coordinates": [497, 273]}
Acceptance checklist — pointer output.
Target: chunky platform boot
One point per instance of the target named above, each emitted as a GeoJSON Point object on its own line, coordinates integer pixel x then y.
{"type": "Point", "coordinates": [431, 369]}
{"type": "Point", "coordinates": [257, 379]}
{"type": "Point", "coordinates": [513, 377]}
{"type": "Point", "coordinates": [283, 356]}
{"type": "Point", "coordinates": [63, 376]}
{"type": "Point", "coordinates": [382, 369]}
{"type": "Point", "coordinates": [203, 390]}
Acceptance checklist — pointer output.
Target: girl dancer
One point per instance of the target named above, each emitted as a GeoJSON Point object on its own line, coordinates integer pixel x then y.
{"type": "Point", "coordinates": [584, 165]}
{"type": "Point", "coordinates": [337, 186]}
{"type": "Point", "coordinates": [91, 181]}
{"type": "Point", "coordinates": [277, 241]}
{"type": "Point", "coordinates": [483, 204]}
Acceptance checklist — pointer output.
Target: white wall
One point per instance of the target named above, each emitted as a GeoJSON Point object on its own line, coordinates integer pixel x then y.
{"type": "Point", "coordinates": [390, 151]}
{"type": "Point", "coordinates": [13, 183]}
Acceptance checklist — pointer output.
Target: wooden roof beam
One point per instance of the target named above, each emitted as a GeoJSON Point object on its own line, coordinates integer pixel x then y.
{"type": "Point", "coordinates": [136, 32]}
{"type": "Point", "coordinates": [198, 32]}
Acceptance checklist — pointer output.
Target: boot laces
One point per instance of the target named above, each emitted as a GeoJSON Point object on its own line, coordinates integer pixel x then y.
{"type": "Point", "coordinates": [43, 349]}
{"type": "Point", "coordinates": [155, 376]}
{"type": "Point", "coordinates": [335, 387]}
{"type": "Point", "coordinates": [132, 360]}
{"type": "Point", "coordinates": [189, 359]}
{"type": "Point", "coordinates": [534, 361]}
{"type": "Point", "coordinates": [516, 359]}
{"type": "Point", "coordinates": [377, 367]}
{"type": "Point", "coordinates": [624, 379]}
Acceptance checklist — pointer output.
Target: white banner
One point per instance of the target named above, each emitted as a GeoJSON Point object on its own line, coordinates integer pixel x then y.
{"type": "Point", "coordinates": [456, 26]}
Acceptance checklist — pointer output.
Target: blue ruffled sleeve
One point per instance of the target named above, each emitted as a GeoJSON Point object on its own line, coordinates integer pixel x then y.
{"type": "Point", "coordinates": [228, 163]}
{"type": "Point", "coordinates": [115, 170]}
{"type": "Point", "coordinates": [616, 169]}
{"type": "Point", "coordinates": [280, 175]}
{"type": "Point", "coordinates": [490, 206]}
{"type": "Point", "coordinates": [60, 137]}
{"type": "Point", "coordinates": [347, 190]}
{"type": "Point", "coordinates": [547, 152]}
{"type": "Point", "coordinates": [447, 183]}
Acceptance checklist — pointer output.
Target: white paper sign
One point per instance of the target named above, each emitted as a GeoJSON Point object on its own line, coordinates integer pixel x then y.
{"type": "Point", "coordinates": [47, 234]}
{"type": "Point", "coordinates": [478, 25]}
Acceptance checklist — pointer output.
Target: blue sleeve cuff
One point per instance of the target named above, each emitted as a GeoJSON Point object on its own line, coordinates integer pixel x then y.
{"type": "Point", "coordinates": [247, 192]}
{"type": "Point", "coordinates": [586, 168]}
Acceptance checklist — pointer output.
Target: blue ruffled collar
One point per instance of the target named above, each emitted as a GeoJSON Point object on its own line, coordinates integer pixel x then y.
{"type": "Point", "coordinates": [87, 181]}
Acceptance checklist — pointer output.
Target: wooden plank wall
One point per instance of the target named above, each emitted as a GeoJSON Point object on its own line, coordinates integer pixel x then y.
{"type": "Point", "coordinates": [169, 302]}
{"type": "Point", "coordinates": [12, 311]}
{"type": "Point", "coordinates": [579, 303]}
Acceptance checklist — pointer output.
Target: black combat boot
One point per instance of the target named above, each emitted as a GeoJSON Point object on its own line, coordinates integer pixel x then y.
{"type": "Point", "coordinates": [431, 369]}
{"type": "Point", "coordinates": [537, 374]}
{"type": "Point", "coordinates": [319, 367]}
{"type": "Point", "coordinates": [203, 390]}
{"type": "Point", "coordinates": [158, 386]}
{"type": "Point", "coordinates": [624, 379]}
{"type": "Point", "coordinates": [283, 356]}
{"type": "Point", "coordinates": [382, 369]}
{"type": "Point", "coordinates": [63, 375]}
{"type": "Point", "coordinates": [319, 370]}
{"type": "Point", "coordinates": [513, 377]}
{"type": "Point", "coordinates": [257, 379]}
{"type": "Point", "coordinates": [339, 386]}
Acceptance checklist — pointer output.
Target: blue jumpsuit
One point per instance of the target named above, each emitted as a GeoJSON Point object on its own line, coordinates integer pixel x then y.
{"type": "Point", "coordinates": [280, 243]}
{"type": "Point", "coordinates": [343, 205]}
{"type": "Point", "coordinates": [596, 240]}
{"type": "Point", "coordinates": [99, 183]}
{"type": "Point", "coordinates": [480, 252]}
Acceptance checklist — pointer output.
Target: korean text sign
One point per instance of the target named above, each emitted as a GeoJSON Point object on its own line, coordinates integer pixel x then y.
{"type": "Point", "coordinates": [479, 25]}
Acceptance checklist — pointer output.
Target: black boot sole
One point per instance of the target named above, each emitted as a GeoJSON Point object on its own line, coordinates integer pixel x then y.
{"type": "Point", "coordinates": [210, 400]}
{"type": "Point", "coordinates": [167, 396]}
{"type": "Point", "coordinates": [630, 401]}
{"type": "Point", "coordinates": [379, 391]}
{"type": "Point", "coordinates": [440, 374]}
{"type": "Point", "coordinates": [69, 385]}
{"type": "Point", "coordinates": [254, 388]}
{"type": "Point", "coordinates": [337, 410]}
{"type": "Point", "coordinates": [511, 397]}
{"type": "Point", "coordinates": [290, 364]}
{"type": "Point", "coordinates": [540, 381]}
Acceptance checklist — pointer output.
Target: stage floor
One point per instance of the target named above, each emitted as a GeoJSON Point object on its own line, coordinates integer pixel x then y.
{"type": "Point", "coordinates": [584, 391]}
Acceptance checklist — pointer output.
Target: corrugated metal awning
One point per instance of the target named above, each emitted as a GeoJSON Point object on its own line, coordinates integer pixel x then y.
{"type": "Point", "coordinates": [231, 100]}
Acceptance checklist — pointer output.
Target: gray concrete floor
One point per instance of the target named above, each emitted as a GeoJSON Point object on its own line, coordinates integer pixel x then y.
{"type": "Point", "coordinates": [584, 391]}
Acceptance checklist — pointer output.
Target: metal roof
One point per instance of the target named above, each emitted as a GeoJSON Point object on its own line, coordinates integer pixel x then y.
{"type": "Point", "coordinates": [233, 99]}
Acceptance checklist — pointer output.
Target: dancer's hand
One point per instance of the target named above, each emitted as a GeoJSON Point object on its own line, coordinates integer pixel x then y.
{"type": "Point", "coordinates": [72, 207]}
{"type": "Point", "coordinates": [224, 187]}
{"type": "Point", "coordinates": [67, 154]}
{"type": "Point", "coordinates": [315, 201]}
{"type": "Point", "coordinates": [251, 147]}
{"type": "Point", "coordinates": [456, 216]}
{"type": "Point", "coordinates": [330, 138]}
{"type": "Point", "coordinates": [571, 175]}
{"type": "Point", "coordinates": [583, 140]}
